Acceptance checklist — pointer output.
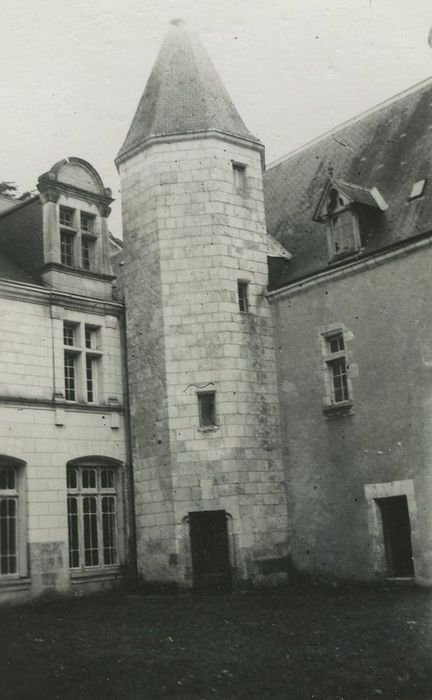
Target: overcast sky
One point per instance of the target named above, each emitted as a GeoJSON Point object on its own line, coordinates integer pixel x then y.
{"type": "Point", "coordinates": [74, 70]}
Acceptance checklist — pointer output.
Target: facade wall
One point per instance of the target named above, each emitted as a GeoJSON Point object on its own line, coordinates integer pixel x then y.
{"type": "Point", "coordinates": [45, 432]}
{"type": "Point", "coordinates": [338, 465]}
{"type": "Point", "coordinates": [190, 235]}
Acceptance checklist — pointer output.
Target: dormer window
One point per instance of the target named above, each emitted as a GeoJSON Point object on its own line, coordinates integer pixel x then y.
{"type": "Point", "coordinates": [340, 206]}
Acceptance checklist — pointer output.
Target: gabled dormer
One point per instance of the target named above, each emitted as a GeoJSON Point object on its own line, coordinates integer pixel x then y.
{"type": "Point", "coordinates": [340, 208]}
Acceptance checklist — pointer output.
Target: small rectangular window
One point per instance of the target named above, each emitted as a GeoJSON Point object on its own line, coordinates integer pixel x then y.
{"type": "Point", "coordinates": [207, 409]}
{"type": "Point", "coordinates": [239, 175]}
{"type": "Point", "coordinates": [67, 248]}
{"type": "Point", "coordinates": [66, 217]}
{"type": "Point", "coordinates": [243, 297]}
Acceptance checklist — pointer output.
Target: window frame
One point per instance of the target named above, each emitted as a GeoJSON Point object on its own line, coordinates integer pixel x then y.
{"type": "Point", "coordinates": [18, 495]}
{"type": "Point", "coordinates": [243, 296]}
{"type": "Point", "coordinates": [78, 534]}
{"type": "Point", "coordinates": [336, 367]}
{"type": "Point", "coordinates": [213, 424]}
{"type": "Point", "coordinates": [239, 176]}
{"type": "Point", "coordinates": [82, 362]}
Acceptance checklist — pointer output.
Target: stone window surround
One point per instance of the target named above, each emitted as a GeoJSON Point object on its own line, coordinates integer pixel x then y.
{"type": "Point", "coordinates": [100, 462]}
{"type": "Point", "coordinates": [76, 230]}
{"type": "Point", "coordinates": [82, 353]}
{"type": "Point", "coordinates": [330, 406]}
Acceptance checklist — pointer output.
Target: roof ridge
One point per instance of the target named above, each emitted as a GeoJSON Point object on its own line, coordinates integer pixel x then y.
{"type": "Point", "coordinates": [344, 125]}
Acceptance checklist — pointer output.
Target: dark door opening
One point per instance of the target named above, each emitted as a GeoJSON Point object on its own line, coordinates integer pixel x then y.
{"type": "Point", "coordinates": [397, 536]}
{"type": "Point", "coordinates": [210, 553]}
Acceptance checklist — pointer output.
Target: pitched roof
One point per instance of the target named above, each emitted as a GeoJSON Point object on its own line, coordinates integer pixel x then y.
{"type": "Point", "coordinates": [388, 148]}
{"type": "Point", "coordinates": [9, 270]}
{"type": "Point", "coordinates": [183, 95]}
{"type": "Point", "coordinates": [7, 203]}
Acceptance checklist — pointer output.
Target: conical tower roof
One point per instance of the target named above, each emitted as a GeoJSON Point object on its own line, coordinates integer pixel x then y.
{"type": "Point", "coordinates": [184, 95]}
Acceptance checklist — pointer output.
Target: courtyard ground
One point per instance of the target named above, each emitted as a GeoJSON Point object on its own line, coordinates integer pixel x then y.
{"type": "Point", "coordinates": [304, 642]}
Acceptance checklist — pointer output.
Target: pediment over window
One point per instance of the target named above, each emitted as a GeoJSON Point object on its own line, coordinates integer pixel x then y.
{"type": "Point", "coordinates": [338, 196]}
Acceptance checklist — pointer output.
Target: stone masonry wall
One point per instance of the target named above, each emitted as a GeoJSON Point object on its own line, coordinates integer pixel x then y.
{"type": "Point", "coordinates": [45, 435]}
{"type": "Point", "coordinates": [337, 465]}
{"type": "Point", "coordinates": [191, 235]}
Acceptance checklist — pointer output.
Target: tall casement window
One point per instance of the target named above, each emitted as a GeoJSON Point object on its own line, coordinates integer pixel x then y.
{"type": "Point", "coordinates": [12, 547]}
{"type": "Point", "coordinates": [207, 409]}
{"type": "Point", "coordinates": [239, 175]}
{"type": "Point", "coordinates": [67, 236]}
{"type": "Point", "coordinates": [88, 241]}
{"type": "Point", "coordinates": [82, 362]}
{"type": "Point", "coordinates": [243, 296]}
{"type": "Point", "coordinates": [336, 369]}
{"type": "Point", "coordinates": [92, 516]}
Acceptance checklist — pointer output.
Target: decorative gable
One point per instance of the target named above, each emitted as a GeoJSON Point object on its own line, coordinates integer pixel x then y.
{"type": "Point", "coordinates": [338, 196]}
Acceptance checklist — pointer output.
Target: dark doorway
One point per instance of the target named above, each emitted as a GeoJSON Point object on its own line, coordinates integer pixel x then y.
{"type": "Point", "coordinates": [210, 554]}
{"type": "Point", "coordinates": [397, 536]}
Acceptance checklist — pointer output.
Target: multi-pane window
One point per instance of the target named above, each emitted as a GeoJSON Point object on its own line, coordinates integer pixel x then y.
{"type": "Point", "coordinates": [66, 217]}
{"type": "Point", "coordinates": [239, 175]}
{"type": "Point", "coordinates": [87, 252]}
{"type": "Point", "coordinates": [8, 521]}
{"type": "Point", "coordinates": [87, 222]}
{"type": "Point", "coordinates": [243, 298]}
{"type": "Point", "coordinates": [336, 364]}
{"type": "Point", "coordinates": [67, 248]}
{"type": "Point", "coordinates": [70, 376]}
{"type": "Point", "coordinates": [77, 238]}
{"type": "Point", "coordinates": [92, 517]}
{"type": "Point", "coordinates": [207, 409]}
{"type": "Point", "coordinates": [81, 361]}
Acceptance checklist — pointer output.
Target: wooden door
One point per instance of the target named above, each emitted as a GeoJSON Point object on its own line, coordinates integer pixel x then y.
{"type": "Point", "coordinates": [210, 552]}
{"type": "Point", "coordinates": [397, 536]}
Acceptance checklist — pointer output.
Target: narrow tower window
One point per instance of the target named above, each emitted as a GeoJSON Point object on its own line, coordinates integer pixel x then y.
{"type": "Point", "coordinates": [239, 175]}
{"type": "Point", "coordinates": [207, 409]}
{"type": "Point", "coordinates": [243, 297]}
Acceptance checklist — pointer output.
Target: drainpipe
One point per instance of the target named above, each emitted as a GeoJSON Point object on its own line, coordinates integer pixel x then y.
{"type": "Point", "coordinates": [129, 463]}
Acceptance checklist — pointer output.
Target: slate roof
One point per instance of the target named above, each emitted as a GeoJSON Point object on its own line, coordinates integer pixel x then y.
{"type": "Point", "coordinates": [389, 148]}
{"type": "Point", "coordinates": [183, 95]}
{"type": "Point", "coordinates": [10, 271]}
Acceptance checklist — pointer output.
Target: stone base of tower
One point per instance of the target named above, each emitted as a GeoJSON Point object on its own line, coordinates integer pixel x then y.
{"type": "Point", "coordinates": [212, 549]}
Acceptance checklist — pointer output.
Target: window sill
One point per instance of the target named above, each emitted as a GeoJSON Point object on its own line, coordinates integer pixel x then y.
{"type": "Point", "coordinates": [209, 429]}
{"type": "Point", "coordinates": [342, 408]}
{"type": "Point", "coordinates": [14, 583]}
{"type": "Point", "coordinates": [107, 574]}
